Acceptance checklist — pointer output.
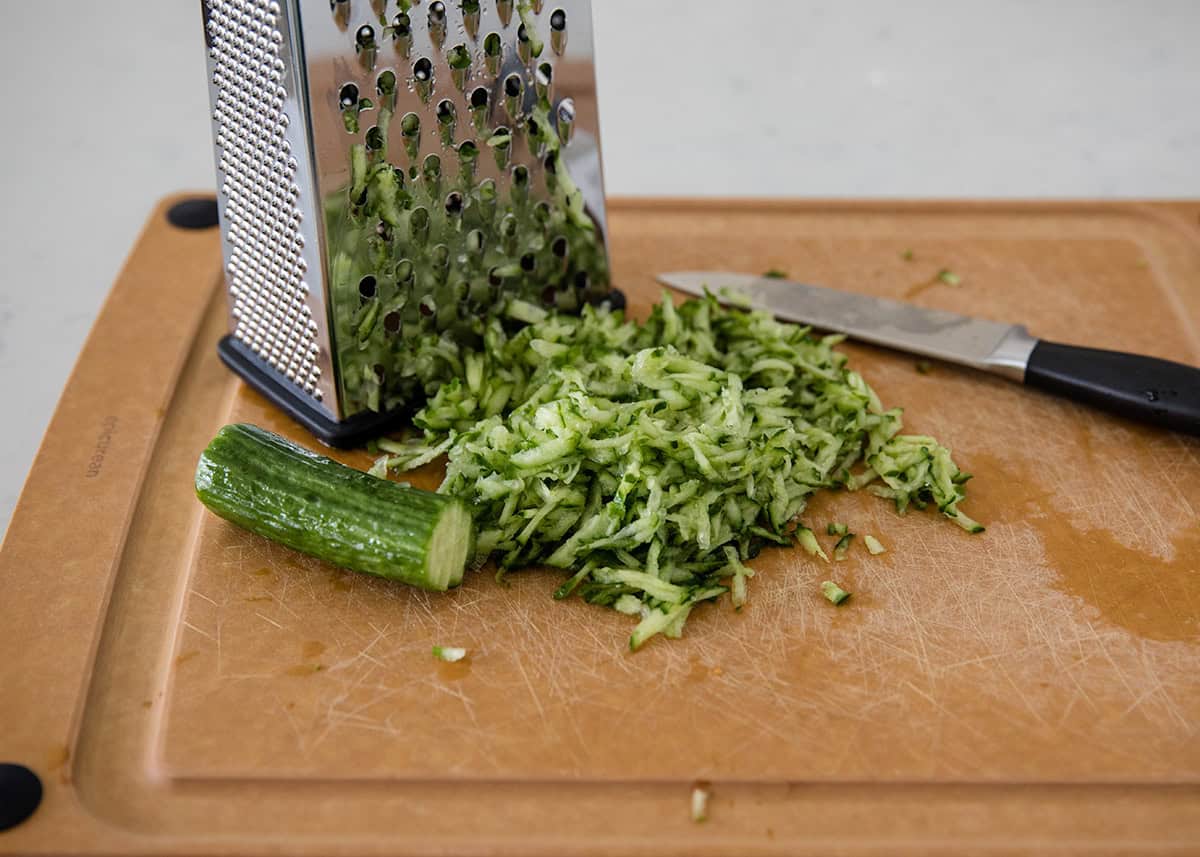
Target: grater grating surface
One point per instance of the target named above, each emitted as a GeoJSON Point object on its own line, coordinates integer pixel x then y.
{"type": "Point", "coordinates": [261, 212]}
{"type": "Point", "coordinates": [391, 173]}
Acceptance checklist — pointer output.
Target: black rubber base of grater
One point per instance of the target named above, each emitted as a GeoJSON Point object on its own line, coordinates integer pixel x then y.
{"type": "Point", "coordinates": [297, 404]}
{"type": "Point", "coordinates": [286, 396]}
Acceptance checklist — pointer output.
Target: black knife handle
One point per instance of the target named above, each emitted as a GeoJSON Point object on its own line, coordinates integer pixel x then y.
{"type": "Point", "coordinates": [1142, 388]}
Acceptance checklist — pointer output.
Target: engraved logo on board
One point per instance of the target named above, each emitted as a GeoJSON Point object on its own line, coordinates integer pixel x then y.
{"type": "Point", "coordinates": [107, 429]}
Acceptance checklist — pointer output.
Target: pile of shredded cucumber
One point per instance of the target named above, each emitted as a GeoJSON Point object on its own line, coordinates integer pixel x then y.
{"type": "Point", "coordinates": [651, 461]}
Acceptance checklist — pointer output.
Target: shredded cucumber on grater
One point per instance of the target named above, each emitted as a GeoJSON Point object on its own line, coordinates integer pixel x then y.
{"type": "Point", "coordinates": [651, 461]}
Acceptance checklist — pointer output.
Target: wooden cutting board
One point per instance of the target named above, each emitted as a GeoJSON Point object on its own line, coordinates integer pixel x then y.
{"type": "Point", "coordinates": [182, 687]}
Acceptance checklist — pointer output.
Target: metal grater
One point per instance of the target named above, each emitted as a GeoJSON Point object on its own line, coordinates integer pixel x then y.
{"type": "Point", "coordinates": [390, 173]}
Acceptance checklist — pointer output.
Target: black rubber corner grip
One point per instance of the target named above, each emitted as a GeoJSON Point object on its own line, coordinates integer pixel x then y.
{"type": "Point", "coordinates": [196, 213]}
{"type": "Point", "coordinates": [20, 794]}
{"type": "Point", "coordinates": [1143, 388]}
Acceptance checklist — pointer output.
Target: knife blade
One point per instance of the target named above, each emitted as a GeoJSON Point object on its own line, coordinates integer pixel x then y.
{"type": "Point", "coordinates": [987, 345]}
{"type": "Point", "coordinates": [1144, 388]}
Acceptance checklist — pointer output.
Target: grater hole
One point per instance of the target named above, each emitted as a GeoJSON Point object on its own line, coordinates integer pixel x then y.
{"type": "Point", "coordinates": [487, 191]}
{"type": "Point", "coordinates": [401, 26]}
{"type": "Point", "coordinates": [419, 221]}
{"type": "Point", "coordinates": [566, 111]}
{"type": "Point", "coordinates": [458, 58]}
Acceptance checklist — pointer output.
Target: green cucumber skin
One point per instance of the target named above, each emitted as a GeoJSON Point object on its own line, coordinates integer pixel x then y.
{"type": "Point", "coordinates": [317, 506]}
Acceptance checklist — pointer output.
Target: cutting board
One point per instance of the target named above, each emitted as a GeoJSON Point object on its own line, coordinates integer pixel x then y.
{"type": "Point", "coordinates": [183, 687]}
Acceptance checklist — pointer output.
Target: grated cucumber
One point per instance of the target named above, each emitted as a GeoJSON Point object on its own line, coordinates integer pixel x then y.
{"type": "Point", "coordinates": [652, 461]}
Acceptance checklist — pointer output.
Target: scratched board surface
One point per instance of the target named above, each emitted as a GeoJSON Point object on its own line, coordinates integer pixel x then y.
{"type": "Point", "coordinates": [1061, 645]}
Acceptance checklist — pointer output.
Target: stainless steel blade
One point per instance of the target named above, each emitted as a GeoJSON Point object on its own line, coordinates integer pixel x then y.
{"type": "Point", "coordinates": [987, 345]}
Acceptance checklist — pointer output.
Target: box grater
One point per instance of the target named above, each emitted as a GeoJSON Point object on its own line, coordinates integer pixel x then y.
{"type": "Point", "coordinates": [391, 173]}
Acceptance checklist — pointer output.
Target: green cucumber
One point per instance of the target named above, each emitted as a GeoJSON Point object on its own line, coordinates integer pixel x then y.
{"type": "Point", "coordinates": [310, 503]}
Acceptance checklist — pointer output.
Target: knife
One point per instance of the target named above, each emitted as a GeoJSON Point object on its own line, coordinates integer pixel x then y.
{"type": "Point", "coordinates": [1143, 388]}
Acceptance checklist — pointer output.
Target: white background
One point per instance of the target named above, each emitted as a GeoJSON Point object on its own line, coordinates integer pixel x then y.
{"type": "Point", "coordinates": [105, 110]}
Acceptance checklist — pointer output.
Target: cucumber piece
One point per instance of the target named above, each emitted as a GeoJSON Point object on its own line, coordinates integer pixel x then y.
{"type": "Point", "coordinates": [699, 804]}
{"type": "Point", "coordinates": [310, 503]}
{"type": "Point", "coordinates": [842, 546]}
{"type": "Point", "coordinates": [833, 593]}
{"type": "Point", "coordinates": [809, 542]}
{"type": "Point", "coordinates": [449, 654]}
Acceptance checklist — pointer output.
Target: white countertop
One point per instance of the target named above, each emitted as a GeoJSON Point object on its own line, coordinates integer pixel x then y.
{"type": "Point", "coordinates": [106, 111]}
